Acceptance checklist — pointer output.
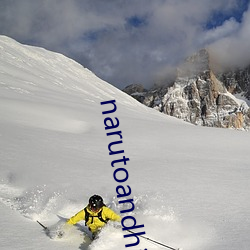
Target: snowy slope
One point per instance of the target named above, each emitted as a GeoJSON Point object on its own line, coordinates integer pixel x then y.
{"type": "Point", "coordinates": [191, 185]}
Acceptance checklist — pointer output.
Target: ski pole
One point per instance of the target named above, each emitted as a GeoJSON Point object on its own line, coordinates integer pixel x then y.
{"type": "Point", "coordinates": [159, 243]}
{"type": "Point", "coordinates": [45, 228]}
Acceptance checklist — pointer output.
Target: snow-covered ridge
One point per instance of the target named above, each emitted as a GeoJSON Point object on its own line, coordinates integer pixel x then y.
{"type": "Point", "coordinates": [33, 68]}
{"type": "Point", "coordinates": [33, 74]}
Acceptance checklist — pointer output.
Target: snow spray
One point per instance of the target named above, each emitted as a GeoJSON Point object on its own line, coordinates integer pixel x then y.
{"type": "Point", "coordinates": [122, 191]}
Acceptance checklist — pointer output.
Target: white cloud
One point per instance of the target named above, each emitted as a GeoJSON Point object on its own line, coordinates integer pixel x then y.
{"type": "Point", "coordinates": [233, 50]}
{"type": "Point", "coordinates": [97, 33]}
{"type": "Point", "coordinates": [228, 28]}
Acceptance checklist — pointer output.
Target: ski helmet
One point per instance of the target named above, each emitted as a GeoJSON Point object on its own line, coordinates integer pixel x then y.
{"type": "Point", "coordinates": [96, 202]}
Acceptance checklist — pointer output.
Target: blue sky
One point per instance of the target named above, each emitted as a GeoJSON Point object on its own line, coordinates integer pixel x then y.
{"type": "Point", "coordinates": [218, 17]}
{"type": "Point", "coordinates": [126, 42]}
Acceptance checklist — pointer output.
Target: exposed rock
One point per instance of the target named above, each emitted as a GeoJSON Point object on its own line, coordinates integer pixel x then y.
{"type": "Point", "coordinates": [201, 97]}
{"type": "Point", "coordinates": [137, 91]}
{"type": "Point", "coordinates": [237, 81]}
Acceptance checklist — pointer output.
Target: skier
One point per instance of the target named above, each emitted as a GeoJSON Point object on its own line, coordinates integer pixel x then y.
{"type": "Point", "coordinates": [95, 214]}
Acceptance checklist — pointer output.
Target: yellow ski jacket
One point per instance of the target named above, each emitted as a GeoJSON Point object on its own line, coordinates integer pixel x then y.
{"type": "Point", "coordinates": [94, 223]}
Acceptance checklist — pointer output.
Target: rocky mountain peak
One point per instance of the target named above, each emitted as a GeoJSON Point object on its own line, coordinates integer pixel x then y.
{"type": "Point", "coordinates": [196, 64]}
{"type": "Point", "coordinates": [200, 96]}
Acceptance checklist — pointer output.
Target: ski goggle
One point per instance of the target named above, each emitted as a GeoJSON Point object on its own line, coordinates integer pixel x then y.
{"type": "Point", "coordinates": [94, 208]}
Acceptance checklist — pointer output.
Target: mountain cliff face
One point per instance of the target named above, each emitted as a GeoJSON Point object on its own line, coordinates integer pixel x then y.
{"type": "Point", "coordinates": [200, 96]}
{"type": "Point", "coordinates": [237, 81]}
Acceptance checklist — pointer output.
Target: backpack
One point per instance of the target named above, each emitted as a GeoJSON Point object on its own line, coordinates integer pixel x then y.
{"type": "Point", "coordinates": [99, 216]}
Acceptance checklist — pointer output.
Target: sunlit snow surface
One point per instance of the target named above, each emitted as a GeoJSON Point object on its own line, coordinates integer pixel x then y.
{"type": "Point", "coordinates": [190, 185]}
